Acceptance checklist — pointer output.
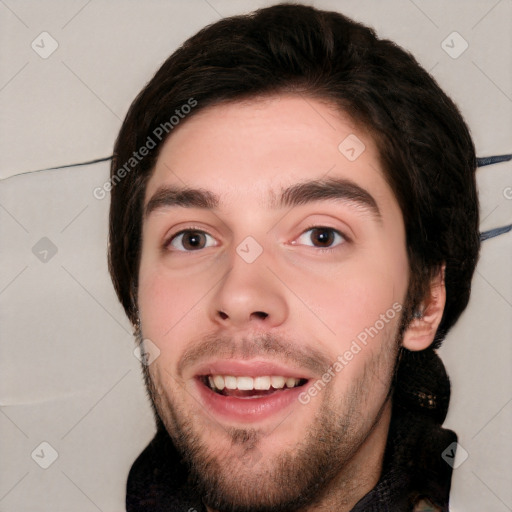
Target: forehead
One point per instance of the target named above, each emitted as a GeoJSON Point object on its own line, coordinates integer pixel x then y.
{"type": "Point", "coordinates": [253, 150]}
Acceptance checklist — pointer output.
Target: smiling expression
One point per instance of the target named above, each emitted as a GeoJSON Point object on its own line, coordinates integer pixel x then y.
{"type": "Point", "coordinates": [265, 253]}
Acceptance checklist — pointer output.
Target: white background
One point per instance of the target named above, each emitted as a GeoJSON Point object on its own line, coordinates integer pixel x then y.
{"type": "Point", "coordinates": [68, 376]}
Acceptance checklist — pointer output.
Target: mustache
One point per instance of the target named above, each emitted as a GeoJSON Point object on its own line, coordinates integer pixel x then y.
{"type": "Point", "coordinates": [269, 346]}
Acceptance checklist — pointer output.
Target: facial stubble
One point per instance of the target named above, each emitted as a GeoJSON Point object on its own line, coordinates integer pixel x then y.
{"type": "Point", "coordinates": [242, 479]}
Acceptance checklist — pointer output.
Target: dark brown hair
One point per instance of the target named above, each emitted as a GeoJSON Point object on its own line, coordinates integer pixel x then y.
{"type": "Point", "coordinates": [425, 147]}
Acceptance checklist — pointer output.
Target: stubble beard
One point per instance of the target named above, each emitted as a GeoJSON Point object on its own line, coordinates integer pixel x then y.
{"type": "Point", "coordinates": [293, 480]}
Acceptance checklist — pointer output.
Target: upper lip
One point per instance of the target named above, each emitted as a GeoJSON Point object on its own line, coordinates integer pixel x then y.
{"type": "Point", "coordinates": [253, 368]}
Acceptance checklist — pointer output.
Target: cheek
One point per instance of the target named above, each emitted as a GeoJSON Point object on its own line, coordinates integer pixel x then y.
{"type": "Point", "coordinates": [168, 306]}
{"type": "Point", "coordinates": [165, 298]}
{"type": "Point", "coordinates": [354, 295]}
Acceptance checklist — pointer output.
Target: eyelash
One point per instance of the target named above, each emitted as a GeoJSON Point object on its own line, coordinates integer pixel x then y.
{"type": "Point", "coordinates": [346, 239]}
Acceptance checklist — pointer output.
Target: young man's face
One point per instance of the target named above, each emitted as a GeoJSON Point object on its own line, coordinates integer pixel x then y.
{"type": "Point", "coordinates": [284, 269]}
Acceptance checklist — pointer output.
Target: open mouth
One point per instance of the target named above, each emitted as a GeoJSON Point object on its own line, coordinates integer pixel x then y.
{"type": "Point", "coordinates": [250, 387]}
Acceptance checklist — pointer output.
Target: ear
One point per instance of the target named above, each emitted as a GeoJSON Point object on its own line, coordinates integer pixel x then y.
{"type": "Point", "coordinates": [421, 331]}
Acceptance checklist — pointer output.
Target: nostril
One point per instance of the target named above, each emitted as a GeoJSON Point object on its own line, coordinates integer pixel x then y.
{"type": "Point", "coordinates": [258, 314]}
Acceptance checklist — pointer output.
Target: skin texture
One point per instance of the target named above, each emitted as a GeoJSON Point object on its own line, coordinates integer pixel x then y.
{"type": "Point", "coordinates": [300, 303]}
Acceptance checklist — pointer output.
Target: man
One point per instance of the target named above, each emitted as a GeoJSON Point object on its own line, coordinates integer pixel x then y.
{"type": "Point", "coordinates": [293, 231]}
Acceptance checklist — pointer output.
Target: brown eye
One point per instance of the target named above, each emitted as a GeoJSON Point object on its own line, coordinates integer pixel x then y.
{"type": "Point", "coordinates": [190, 240]}
{"type": "Point", "coordinates": [322, 237]}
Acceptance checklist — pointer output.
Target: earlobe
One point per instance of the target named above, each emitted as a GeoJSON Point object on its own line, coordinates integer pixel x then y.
{"type": "Point", "coordinates": [421, 331]}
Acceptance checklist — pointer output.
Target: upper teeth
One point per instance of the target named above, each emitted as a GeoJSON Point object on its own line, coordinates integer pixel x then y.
{"type": "Point", "coordinates": [247, 383]}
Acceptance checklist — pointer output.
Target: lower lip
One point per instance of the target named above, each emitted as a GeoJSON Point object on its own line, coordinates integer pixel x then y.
{"type": "Point", "coordinates": [248, 409]}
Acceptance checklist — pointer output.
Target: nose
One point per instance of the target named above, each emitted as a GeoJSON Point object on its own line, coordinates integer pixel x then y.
{"type": "Point", "coordinates": [249, 296]}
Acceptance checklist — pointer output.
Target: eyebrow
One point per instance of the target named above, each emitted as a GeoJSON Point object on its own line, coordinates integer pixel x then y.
{"type": "Point", "coordinates": [329, 189]}
{"type": "Point", "coordinates": [185, 197]}
{"type": "Point", "coordinates": [295, 195]}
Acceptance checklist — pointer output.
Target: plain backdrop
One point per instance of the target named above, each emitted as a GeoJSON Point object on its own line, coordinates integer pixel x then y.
{"type": "Point", "coordinates": [71, 392]}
